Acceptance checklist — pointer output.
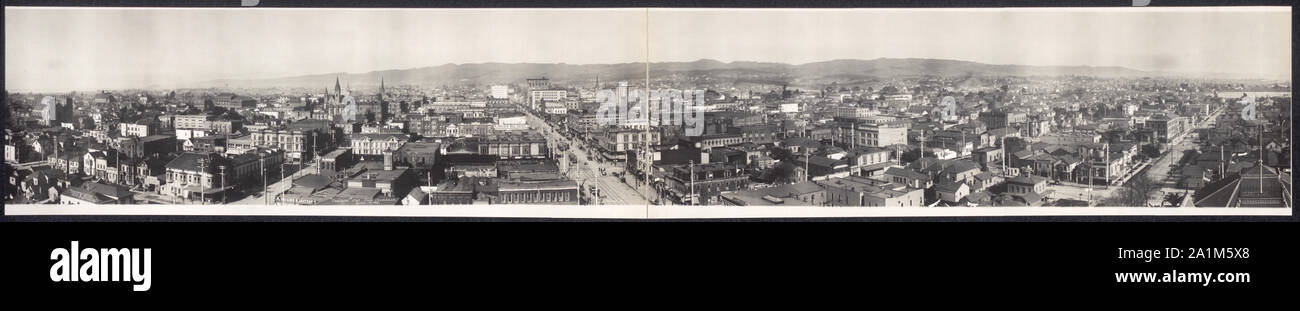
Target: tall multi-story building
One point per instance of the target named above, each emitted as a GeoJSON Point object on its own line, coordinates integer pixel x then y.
{"type": "Point", "coordinates": [541, 83]}
{"type": "Point", "coordinates": [622, 140]}
{"type": "Point", "coordinates": [166, 121]}
{"type": "Point", "coordinates": [148, 146]}
{"type": "Point", "coordinates": [49, 112]}
{"type": "Point", "coordinates": [500, 92]}
{"type": "Point", "coordinates": [138, 129]}
{"type": "Point", "coordinates": [65, 111]}
{"type": "Point", "coordinates": [298, 145]}
{"type": "Point", "coordinates": [193, 121]}
{"type": "Point", "coordinates": [225, 126]}
{"type": "Point", "coordinates": [759, 134]}
{"type": "Point", "coordinates": [1165, 127]}
{"type": "Point", "coordinates": [375, 146]}
{"type": "Point", "coordinates": [1001, 119]}
{"type": "Point", "coordinates": [537, 98]}
{"type": "Point", "coordinates": [189, 126]}
{"type": "Point", "coordinates": [871, 135]}
{"type": "Point", "coordinates": [229, 101]}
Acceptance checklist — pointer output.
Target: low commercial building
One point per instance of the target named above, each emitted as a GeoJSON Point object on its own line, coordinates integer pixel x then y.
{"type": "Point", "coordinates": [395, 182]}
{"type": "Point", "coordinates": [862, 191]}
{"type": "Point", "coordinates": [806, 193]}
{"type": "Point", "coordinates": [543, 192]}
{"type": "Point", "coordinates": [710, 180]}
{"type": "Point", "coordinates": [1030, 190]}
{"type": "Point", "coordinates": [422, 155]}
{"type": "Point", "coordinates": [337, 159]}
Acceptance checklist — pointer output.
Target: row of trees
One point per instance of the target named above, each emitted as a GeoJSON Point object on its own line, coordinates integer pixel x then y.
{"type": "Point", "coordinates": [1138, 191]}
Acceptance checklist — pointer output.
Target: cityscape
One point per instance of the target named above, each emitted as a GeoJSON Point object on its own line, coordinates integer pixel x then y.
{"type": "Point", "coordinates": [838, 132]}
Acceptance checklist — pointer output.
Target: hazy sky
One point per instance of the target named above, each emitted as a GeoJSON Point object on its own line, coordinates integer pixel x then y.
{"type": "Point", "coordinates": [84, 49]}
{"type": "Point", "coordinates": [1240, 40]}
{"type": "Point", "coordinates": [112, 48]}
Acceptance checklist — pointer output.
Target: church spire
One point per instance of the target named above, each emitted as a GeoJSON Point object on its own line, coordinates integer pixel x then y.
{"type": "Point", "coordinates": [338, 90]}
{"type": "Point", "coordinates": [381, 89]}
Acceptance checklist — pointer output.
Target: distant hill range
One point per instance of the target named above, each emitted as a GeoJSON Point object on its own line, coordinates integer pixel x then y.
{"type": "Point", "coordinates": [757, 72]}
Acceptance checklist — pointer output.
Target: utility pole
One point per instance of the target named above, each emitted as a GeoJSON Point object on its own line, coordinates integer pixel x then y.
{"type": "Point", "coordinates": [1091, 168]}
{"type": "Point", "coordinates": [261, 163]}
{"type": "Point", "coordinates": [1222, 162]}
{"type": "Point", "coordinates": [1107, 151]}
{"type": "Point", "coordinates": [853, 135]}
{"type": "Point", "coordinates": [921, 155]}
{"type": "Point", "coordinates": [315, 151]}
{"type": "Point", "coordinates": [223, 184]}
{"type": "Point", "coordinates": [693, 199]}
{"type": "Point", "coordinates": [202, 177]}
{"type": "Point", "coordinates": [807, 158]}
{"type": "Point", "coordinates": [430, 172]}
{"type": "Point", "coordinates": [1003, 141]}
{"type": "Point", "coordinates": [56, 153]}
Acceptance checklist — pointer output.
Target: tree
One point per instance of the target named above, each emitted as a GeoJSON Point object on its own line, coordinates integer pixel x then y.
{"type": "Point", "coordinates": [1174, 198]}
{"type": "Point", "coordinates": [1140, 157]}
{"type": "Point", "coordinates": [782, 154]}
{"type": "Point", "coordinates": [217, 111]}
{"type": "Point", "coordinates": [1151, 150]}
{"type": "Point", "coordinates": [9, 121]}
{"type": "Point", "coordinates": [1015, 144]}
{"type": "Point", "coordinates": [1189, 156]}
{"type": "Point", "coordinates": [1134, 193]}
{"type": "Point", "coordinates": [231, 115]}
{"type": "Point", "coordinates": [782, 172]}
{"type": "Point", "coordinates": [914, 154]}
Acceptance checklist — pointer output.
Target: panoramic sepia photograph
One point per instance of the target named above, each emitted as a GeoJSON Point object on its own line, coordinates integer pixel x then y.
{"type": "Point", "coordinates": [648, 112]}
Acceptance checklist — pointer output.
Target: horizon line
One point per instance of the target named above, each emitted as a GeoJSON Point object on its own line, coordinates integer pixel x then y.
{"type": "Point", "coordinates": [1183, 74]}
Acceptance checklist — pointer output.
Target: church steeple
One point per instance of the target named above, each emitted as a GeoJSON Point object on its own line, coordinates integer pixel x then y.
{"type": "Point", "coordinates": [338, 90]}
{"type": "Point", "coordinates": [381, 89]}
